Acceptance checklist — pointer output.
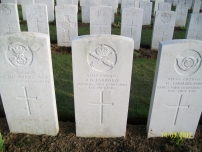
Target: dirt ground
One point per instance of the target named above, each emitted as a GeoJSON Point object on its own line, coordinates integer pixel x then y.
{"type": "Point", "coordinates": [66, 141]}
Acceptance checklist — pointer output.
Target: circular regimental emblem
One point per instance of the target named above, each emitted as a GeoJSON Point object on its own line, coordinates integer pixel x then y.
{"type": "Point", "coordinates": [66, 24]}
{"type": "Point", "coordinates": [100, 14]}
{"type": "Point", "coordinates": [199, 21]}
{"type": "Point", "coordinates": [102, 59]}
{"type": "Point", "coordinates": [188, 62]}
{"type": "Point", "coordinates": [165, 18]}
{"type": "Point", "coordinates": [5, 10]}
{"type": "Point", "coordinates": [19, 55]}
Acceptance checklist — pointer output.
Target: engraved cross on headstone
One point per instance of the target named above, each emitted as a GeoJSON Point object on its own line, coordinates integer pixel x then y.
{"type": "Point", "coordinates": [27, 100]}
{"type": "Point", "coordinates": [67, 25]}
{"type": "Point", "coordinates": [37, 23]}
{"type": "Point", "coordinates": [132, 28]}
{"type": "Point", "coordinates": [9, 28]}
{"type": "Point", "coordinates": [163, 36]}
{"type": "Point", "coordinates": [177, 109]}
{"type": "Point", "coordinates": [101, 104]}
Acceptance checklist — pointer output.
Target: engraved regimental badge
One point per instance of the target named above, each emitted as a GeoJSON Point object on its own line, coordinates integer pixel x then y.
{"type": "Point", "coordinates": [19, 55]}
{"type": "Point", "coordinates": [165, 18]}
{"type": "Point", "coordinates": [188, 62]}
{"type": "Point", "coordinates": [102, 58]}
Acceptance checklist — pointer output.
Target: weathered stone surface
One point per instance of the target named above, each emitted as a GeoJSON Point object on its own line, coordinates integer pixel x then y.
{"type": "Point", "coordinates": [194, 29]}
{"type": "Point", "coordinates": [196, 6]}
{"type": "Point", "coordinates": [37, 18]}
{"type": "Point", "coordinates": [131, 24]}
{"type": "Point", "coordinates": [9, 20]}
{"type": "Point", "coordinates": [100, 20]}
{"type": "Point", "coordinates": [50, 7]}
{"type": "Point", "coordinates": [182, 11]}
{"type": "Point", "coordinates": [66, 23]}
{"type": "Point", "coordinates": [164, 6]}
{"type": "Point", "coordinates": [147, 7]}
{"type": "Point", "coordinates": [176, 98]}
{"type": "Point", "coordinates": [26, 83]}
{"type": "Point", "coordinates": [9, 1]}
{"type": "Point", "coordinates": [102, 66]}
{"type": "Point", "coordinates": [163, 28]}
{"type": "Point", "coordinates": [23, 4]}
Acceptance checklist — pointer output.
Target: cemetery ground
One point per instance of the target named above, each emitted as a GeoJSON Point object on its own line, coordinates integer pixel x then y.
{"type": "Point", "coordinates": [141, 89]}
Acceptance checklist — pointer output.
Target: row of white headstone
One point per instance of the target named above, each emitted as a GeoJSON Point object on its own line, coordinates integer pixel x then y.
{"type": "Point", "coordinates": [102, 68]}
{"type": "Point", "coordinates": [67, 26]}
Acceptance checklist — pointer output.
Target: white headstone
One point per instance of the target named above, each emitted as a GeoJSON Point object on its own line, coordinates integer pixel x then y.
{"type": "Point", "coordinates": [175, 2]}
{"type": "Point", "coordinates": [72, 2]}
{"type": "Point", "coordinates": [163, 28]}
{"type": "Point", "coordinates": [9, 1]}
{"type": "Point", "coordinates": [111, 3]}
{"type": "Point", "coordinates": [102, 66]}
{"type": "Point", "coordinates": [197, 6]}
{"type": "Point", "coordinates": [9, 20]}
{"type": "Point", "coordinates": [23, 4]}
{"type": "Point", "coordinates": [131, 24]}
{"type": "Point", "coordinates": [181, 2]}
{"type": "Point", "coordinates": [85, 9]}
{"type": "Point", "coordinates": [156, 6]}
{"type": "Point", "coordinates": [127, 3]}
{"type": "Point", "coordinates": [120, 1]}
{"type": "Point", "coordinates": [176, 105]}
{"type": "Point", "coordinates": [147, 7]}
{"type": "Point", "coordinates": [37, 18]}
{"type": "Point", "coordinates": [66, 23]}
{"type": "Point", "coordinates": [19, 2]}
{"type": "Point", "coordinates": [100, 20]}
{"type": "Point", "coordinates": [194, 29]}
{"type": "Point", "coordinates": [164, 6]}
{"type": "Point", "coordinates": [26, 83]}
{"type": "Point", "coordinates": [189, 3]}
{"type": "Point", "coordinates": [69, 2]}
{"type": "Point", "coordinates": [182, 11]}
{"type": "Point", "coordinates": [50, 6]}
{"type": "Point", "coordinates": [169, 1]}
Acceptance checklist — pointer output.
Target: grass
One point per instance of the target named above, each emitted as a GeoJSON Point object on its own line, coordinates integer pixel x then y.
{"type": "Point", "coordinates": [142, 76]}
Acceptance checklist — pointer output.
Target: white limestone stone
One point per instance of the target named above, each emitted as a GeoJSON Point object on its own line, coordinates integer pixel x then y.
{"type": "Point", "coordinates": [85, 9]}
{"type": "Point", "coordinates": [102, 66]}
{"type": "Point", "coordinates": [50, 7]}
{"type": "Point", "coordinates": [23, 4]}
{"type": "Point", "coordinates": [66, 23]}
{"type": "Point", "coordinates": [164, 6]}
{"type": "Point", "coordinates": [9, 1]}
{"type": "Point", "coordinates": [175, 2]}
{"type": "Point", "coordinates": [169, 1]}
{"type": "Point", "coordinates": [37, 18]}
{"type": "Point", "coordinates": [182, 11]}
{"type": "Point", "coordinates": [26, 83]}
{"type": "Point", "coordinates": [72, 2]}
{"type": "Point", "coordinates": [156, 6]}
{"type": "Point", "coordinates": [197, 6]}
{"type": "Point", "coordinates": [111, 3]}
{"type": "Point", "coordinates": [127, 3]}
{"type": "Point", "coordinates": [120, 1]}
{"type": "Point", "coordinates": [188, 3]}
{"type": "Point", "coordinates": [194, 29]}
{"type": "Point", "coordinates": [68, 2]}
{"type": "Point", "coordinates": [181, 2]}
{"type": "Point", "coordinates": [131, 24]}
{"type": "Point", "coordinates": [19, 2]}
{"type": "Point", "coordinates": [100, 20]}
{"type": "Point", "coordinates": [163, 28]}
{"type": "Point", "coordinates": [176, 105]}
{"type": "Point", "coordinates": [147, 7]}
{"type": "Point", "coordinates": [9, 20]}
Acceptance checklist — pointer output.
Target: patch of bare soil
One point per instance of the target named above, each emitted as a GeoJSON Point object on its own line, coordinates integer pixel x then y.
{"type": "Point", "coordinates": [142, 52]}
{"type": "Point", "coordinates": [66, 141]}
